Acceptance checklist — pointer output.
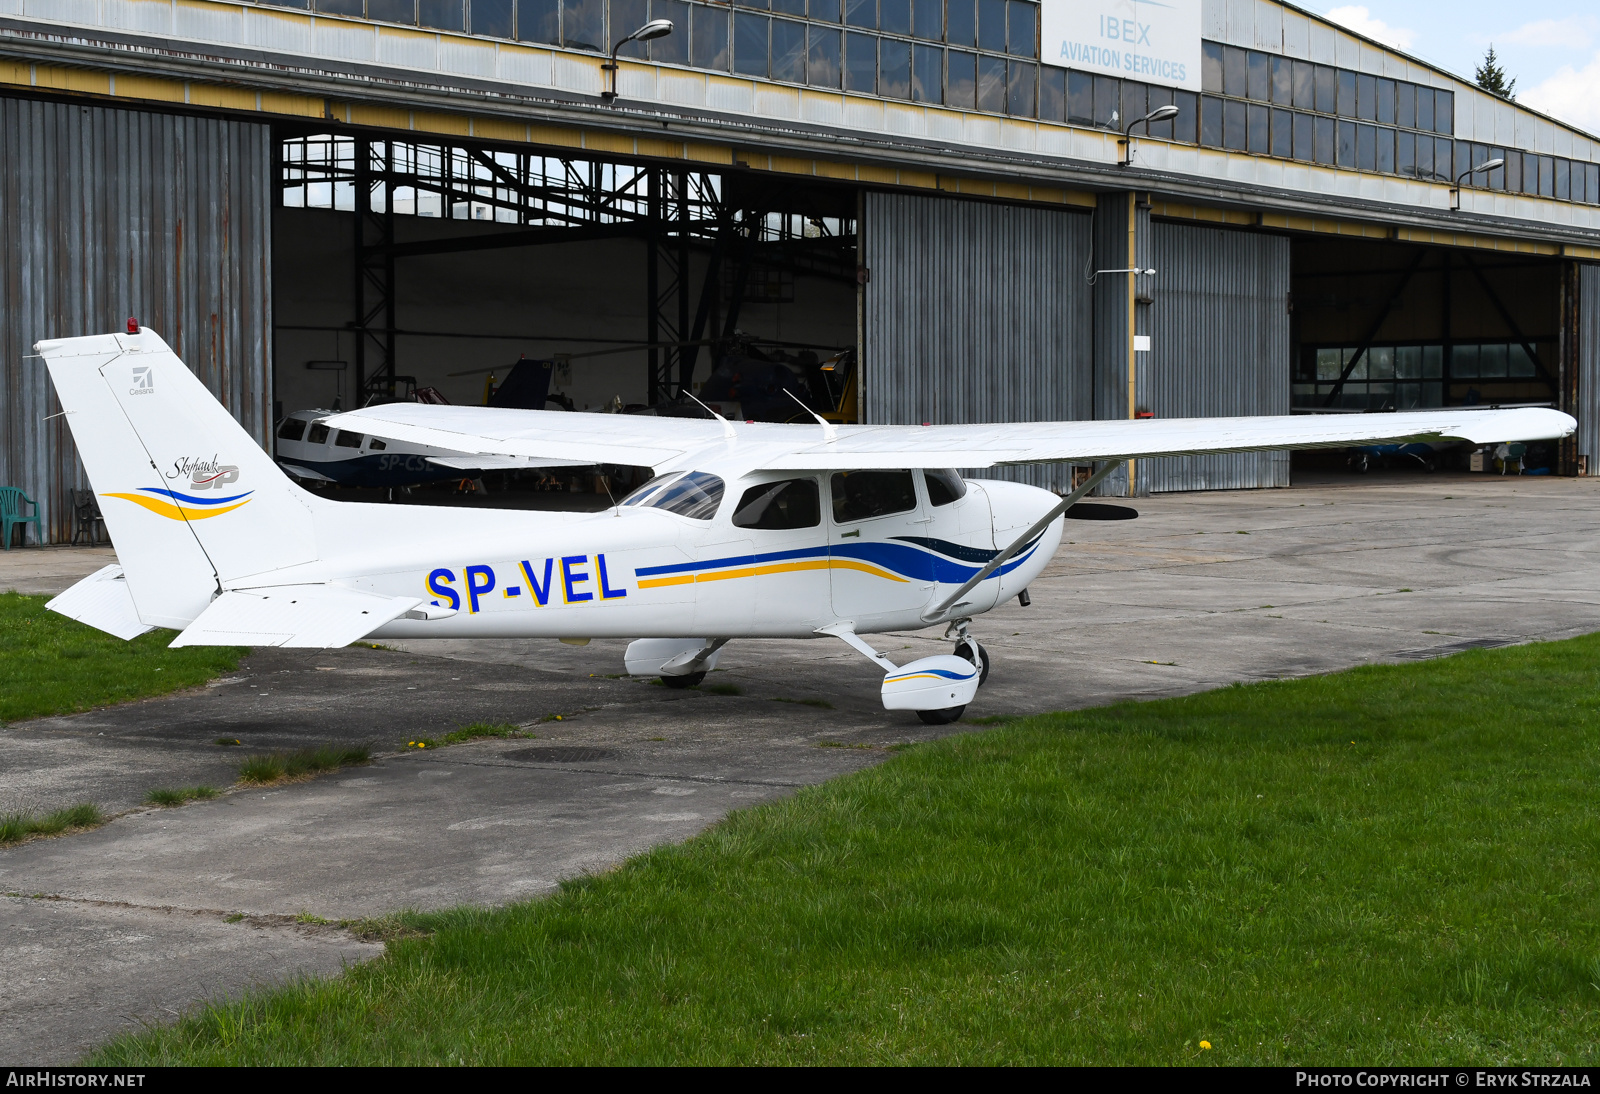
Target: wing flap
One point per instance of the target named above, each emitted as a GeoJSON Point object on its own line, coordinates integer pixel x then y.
{"type": "Point", "coordinates": [102, 600]}
{"type": "Point", "coordinates": [295, 616]}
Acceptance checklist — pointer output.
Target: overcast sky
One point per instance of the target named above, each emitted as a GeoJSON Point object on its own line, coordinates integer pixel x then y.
{"type": "Point", "coordinates": [1551, 47]}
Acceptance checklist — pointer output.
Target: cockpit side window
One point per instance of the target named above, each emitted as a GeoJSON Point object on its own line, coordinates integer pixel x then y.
{"type": "Point", "coordinates": [944, 486]}
{"type": "Point", "coordinates": [696, 495]}
{"type": "Point", "coordinates": [860, 495]}
{"type": "Point", "coordinates": [292, 429]}
{"type": "Point", "coordinates": [793, 503]}
{"type": "Point", "coordinates": [318, 434]}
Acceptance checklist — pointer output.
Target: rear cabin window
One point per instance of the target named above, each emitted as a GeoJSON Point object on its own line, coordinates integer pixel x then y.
{"type": "Point", "coordinates": [944, 486]}
{"type": "Point", "coordinates": [347, 439]}
{"type": "Point", "coordinates": [375, 445]}
{"type": "Point", "coordinates": [697, 495]}
{"type": "Point", "coordinates": [793, 503]}
{"type": "Point", "coordinates": [318, 434]}
{"type": "Point", "coordinates": [861, 495]}
{"type": "Point", "coordinates": [292, 429]}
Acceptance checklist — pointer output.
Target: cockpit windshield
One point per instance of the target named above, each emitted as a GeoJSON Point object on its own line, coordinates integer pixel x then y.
{"type": "Point", "coordinates": [641, 495]}
{"type": "Point", "coordinates": [696, 495]}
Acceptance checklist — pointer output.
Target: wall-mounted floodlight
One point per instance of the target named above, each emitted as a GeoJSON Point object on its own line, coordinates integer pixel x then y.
{"type": "Point", "coordinates": [1455, 191]}
{"type": "Point", "coordinates": [655, 28]}
{"type": "Point", "coordinates": [1159, 114]}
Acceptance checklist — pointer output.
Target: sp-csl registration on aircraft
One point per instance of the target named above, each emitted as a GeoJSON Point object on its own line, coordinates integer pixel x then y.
{"type": "Point", "coordinates": [748, 530]}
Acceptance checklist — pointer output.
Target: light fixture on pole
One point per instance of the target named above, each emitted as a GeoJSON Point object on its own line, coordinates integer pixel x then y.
{"type": "Point", "coordinates": [1455, 191]}
{"type": "Point", "coordinates": [655, 28]}
{"type": "Point", "coordinates": [1159, 114]}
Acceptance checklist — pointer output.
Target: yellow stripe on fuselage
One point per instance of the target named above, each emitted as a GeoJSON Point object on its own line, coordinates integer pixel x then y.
{"type": "Point", "coordinates": [174, 512]}
{"type": "Point", "coordinates": [773, 568]}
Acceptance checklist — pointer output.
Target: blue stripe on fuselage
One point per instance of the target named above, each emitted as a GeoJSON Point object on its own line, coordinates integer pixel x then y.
{"type": "Point", "coordinates": [900, 558]}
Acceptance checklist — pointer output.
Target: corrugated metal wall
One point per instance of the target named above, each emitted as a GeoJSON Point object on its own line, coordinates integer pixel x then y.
{"type": "Point", "coordinates": [1588, 410]}
{"type": "Point", "coordinates": [1219, 346]}
{"type": "Point", "coordinates": [975, 312]}
{"type": "Point", "coordinates": [109, 213]}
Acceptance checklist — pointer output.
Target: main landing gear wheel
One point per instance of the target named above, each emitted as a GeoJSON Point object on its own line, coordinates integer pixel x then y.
{"type": "Point", "coordinates": [689, 681]}
{"type": "Point", "coordinates": [940, 717]}
{"type": "Point", "coordinates": [964, 651]}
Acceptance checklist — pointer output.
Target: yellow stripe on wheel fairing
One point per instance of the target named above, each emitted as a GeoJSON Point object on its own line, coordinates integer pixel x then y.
{"type": "Point", "coordinates": [174, 512]}
{"type": "Point", "coordinates": [775, 568]}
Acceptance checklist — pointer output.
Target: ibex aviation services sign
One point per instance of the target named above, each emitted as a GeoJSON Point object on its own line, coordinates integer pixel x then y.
{"type": "Point", "coordinates": [1157, 42]}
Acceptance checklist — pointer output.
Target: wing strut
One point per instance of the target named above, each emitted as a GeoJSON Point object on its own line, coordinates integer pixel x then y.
{"type": "Point", "coordinates": [1024, 539]}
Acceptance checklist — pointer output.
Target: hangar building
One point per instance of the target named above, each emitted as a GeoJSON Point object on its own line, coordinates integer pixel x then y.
{"type": "Point", "coordinates": [338, 200]}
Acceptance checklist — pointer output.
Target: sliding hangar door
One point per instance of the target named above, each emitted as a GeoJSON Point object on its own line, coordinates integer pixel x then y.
{"type": "Point", "coordinates": [978, 311]}
{"type": "Point", "coordinates": [107, 214]}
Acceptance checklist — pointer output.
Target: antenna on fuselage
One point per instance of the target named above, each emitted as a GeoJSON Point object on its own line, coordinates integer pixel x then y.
{"type": "Point", "coordinates": [727, 426]}
{"type": "Point", "coordinates": [829, 431]}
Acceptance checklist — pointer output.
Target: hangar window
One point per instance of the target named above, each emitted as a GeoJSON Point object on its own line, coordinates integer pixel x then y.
{"type": "Point", "coordinates": [822, 57]}
{"type": "Point", "coordinates": [861, 495]}
{"type": "Point", "coordinates": [927, 74]}
{"type": "Point", "coordinates": [1283, 134]}
{"type": "Point", "coordinates": [442, 14]}
{"type": "Point", "coordinates": [1283, 81]}
{"type": "Point", "coordinates": [1053, 98]}
{"type": "Point", "coordinates": [792, 503]}
{"type": "Point", "coordinates": [1020, 89]}
{"type": "Point", "coordinates": [1392, 377]}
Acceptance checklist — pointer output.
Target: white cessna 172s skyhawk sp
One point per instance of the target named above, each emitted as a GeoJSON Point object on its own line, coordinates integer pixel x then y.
{"type": "Point", "coordinates": [747, 531]}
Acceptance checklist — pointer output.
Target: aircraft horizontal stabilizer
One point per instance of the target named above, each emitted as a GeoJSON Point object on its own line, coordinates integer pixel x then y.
{"type": "Point", "coordinates": [102, 600]}
{"type": "Point", "coordinates": [299, 616]}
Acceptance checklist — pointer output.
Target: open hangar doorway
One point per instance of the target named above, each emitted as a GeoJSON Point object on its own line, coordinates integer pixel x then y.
{"type": "Point", "coordinates": [1382, 325]}
{"type": "Point", "coordinates": [448, 270]}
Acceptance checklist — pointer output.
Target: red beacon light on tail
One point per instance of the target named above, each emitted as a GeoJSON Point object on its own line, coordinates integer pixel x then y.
{"type": "Point", "coordinates": [133, 325]}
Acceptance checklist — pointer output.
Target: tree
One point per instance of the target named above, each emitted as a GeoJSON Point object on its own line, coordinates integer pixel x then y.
{"type": "Point", "coordinates": [1492, 78]}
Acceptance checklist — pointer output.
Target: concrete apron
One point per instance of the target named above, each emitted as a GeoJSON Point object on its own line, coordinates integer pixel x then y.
{"type": "Point", "coordinates": [134, 927]}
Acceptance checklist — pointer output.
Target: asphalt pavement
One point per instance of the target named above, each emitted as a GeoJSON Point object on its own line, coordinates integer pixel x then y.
{"type": "Point", "coordinates": [161, 909]}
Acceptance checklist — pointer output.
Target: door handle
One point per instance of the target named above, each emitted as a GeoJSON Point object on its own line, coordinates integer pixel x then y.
{"type": "Point", "coordinates": [847, 535]}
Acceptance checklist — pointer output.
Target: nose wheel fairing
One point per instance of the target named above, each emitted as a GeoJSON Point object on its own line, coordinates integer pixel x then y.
{"type": "Point", "coordinates": [938, 688]}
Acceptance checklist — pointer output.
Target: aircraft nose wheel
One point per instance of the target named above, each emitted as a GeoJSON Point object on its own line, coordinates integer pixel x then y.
{"type": "Point", "coordinates": [940, 717]}
{"type": "Point", "coordinates": [964, 651]}
{"type": "Point", "coordinates": [689, 681]}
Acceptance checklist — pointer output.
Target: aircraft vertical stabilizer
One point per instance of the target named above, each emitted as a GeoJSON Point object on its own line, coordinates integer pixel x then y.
{"type": "Point", "coordinates": [190, 500]}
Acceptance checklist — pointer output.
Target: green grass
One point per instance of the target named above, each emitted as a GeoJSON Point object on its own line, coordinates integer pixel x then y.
{"type": "Point", "coordinates": [181, 795]}
{"type": "Point", "coordinates": [1394, 864]}
{"type": "Point", "coordinates": [277, 766]}
{"type": "Point", "coordinates": [50, 664]}
{"type": "Point", "coordinates": [19, 826]}
{"type": "Point", "coordinates": [473, 732]}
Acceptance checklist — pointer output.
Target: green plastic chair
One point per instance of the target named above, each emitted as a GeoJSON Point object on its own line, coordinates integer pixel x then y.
{"type": "Point", "coordinates": [12, 499]}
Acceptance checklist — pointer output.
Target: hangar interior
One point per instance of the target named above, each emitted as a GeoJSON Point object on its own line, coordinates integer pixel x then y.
{"type": "Point", "coordinates": [635, 280]}
{"type": "Point", "coordinates": [638, 282]}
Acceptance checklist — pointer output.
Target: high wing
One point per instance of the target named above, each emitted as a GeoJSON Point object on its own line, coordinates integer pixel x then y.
{"type": "Point", "coordinates": [648, 441]}
{"type": "Point", "coordinates": [560, 437]}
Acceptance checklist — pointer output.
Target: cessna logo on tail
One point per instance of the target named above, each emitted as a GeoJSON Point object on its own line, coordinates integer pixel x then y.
{"type": "Point", "coordinates": [143, 382]}
{"type": "Point", "coordinates": [204, 474]}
